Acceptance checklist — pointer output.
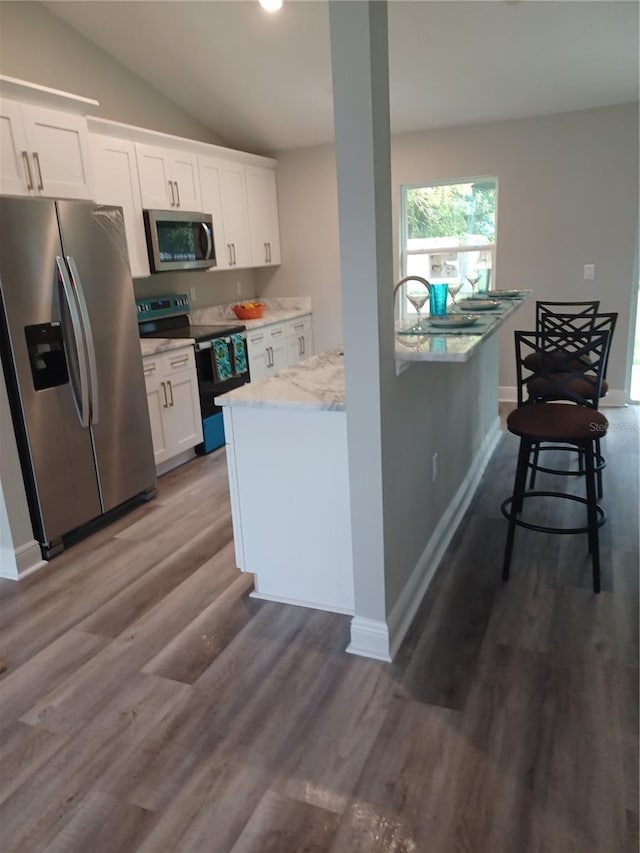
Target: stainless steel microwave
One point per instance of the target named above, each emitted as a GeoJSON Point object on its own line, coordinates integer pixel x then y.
{"type": "Point", "coordinates": [177, 240]}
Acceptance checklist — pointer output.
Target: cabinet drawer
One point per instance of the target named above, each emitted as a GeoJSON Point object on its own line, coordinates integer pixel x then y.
{"type": "Point", "coordinates": [152, 366]}
{"type": "Point", "coordinates": [275, 332]}
{"type": "Point", "coordinates": [302, 326]}
{"type": "Point", "coordinates": [175, 361]}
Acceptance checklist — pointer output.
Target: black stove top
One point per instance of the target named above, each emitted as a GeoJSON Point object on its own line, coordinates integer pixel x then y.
{"type": "Point", "coordinates": [178, 327]}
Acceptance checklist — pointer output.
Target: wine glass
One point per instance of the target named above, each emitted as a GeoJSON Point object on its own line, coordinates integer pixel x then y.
{"type": "Point", "coordinates": [454, 289]}
{"type": "Point", "coordinates": [417, 297]}
{"type": "Point", "coordinates": [473, 278]}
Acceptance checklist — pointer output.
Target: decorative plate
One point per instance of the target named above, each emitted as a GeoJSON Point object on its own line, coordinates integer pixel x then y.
{"type": "Point", "coordinates": [477, 304]}
{"type": "Point", "coordinates": [507, 294]}
{"type": "Point", "coordinates": [453, 321]}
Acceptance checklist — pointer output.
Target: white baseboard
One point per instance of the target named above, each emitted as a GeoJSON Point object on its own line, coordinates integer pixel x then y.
{"type": "Point", "coordinates": [507, 394]}
{"type": "Point", "coordinates": [411, 596]}
{"type": "Point", "coordinates": [369, 639]}
{"type": "Point", "coordinates": [616, 397]}
{"type": "Point", "coordinates": [28, 559]}
{"type": "Point", "coordinates": [175, 461]}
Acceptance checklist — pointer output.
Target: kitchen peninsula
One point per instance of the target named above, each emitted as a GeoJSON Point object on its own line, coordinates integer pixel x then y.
{"type": "Point", "coordinates": [287, 458]}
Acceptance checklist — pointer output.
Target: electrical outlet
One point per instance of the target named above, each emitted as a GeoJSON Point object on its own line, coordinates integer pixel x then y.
{"type": "Point", "coordinates": [589, 272]}
{"type": "Point", "coordinates": [238, 288]}
{"type": "Point", "coordinates": [193, 294]}
{"type": "Point", "coordinates": [434, 467]}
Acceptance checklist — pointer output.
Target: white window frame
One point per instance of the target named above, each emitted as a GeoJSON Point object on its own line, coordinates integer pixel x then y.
{"type": "Point", "coordinates": [405, 310]}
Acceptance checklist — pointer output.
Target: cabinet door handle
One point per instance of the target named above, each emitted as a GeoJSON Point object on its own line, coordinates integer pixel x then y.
{"type": "Point", "coordinates": [165, 405]}
{"type": "Point", "coordinates": [27, 169]}
{"type": "Point", "coordinates": [299, 345]}
{"type": "Point", "coordinates": [304, 346]}
{"type": "Point", "coordinates": [270, 361]}
{"type": "Point", "coordinates": [268, 253]}
{"type": "Point", "coordinates": [170, 393]}
{"type": "Point", "coordinates": [36, 160]}
{"type": "Point", "coordinates": [176, 362]}
{"type": "Point", "coordinates": [175, 183]}
{"type": "Point", "coordinates": [173, 198]}
{"type": "Point", "coordinates": [233, 248]}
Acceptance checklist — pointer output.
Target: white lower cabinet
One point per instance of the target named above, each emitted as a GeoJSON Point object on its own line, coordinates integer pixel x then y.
{"type": "Point", "coordinates": [174, 406]}
{"type": "Point", "coordinates": [267, 348]}
{"type": "Point", "coordinates": [272, 348]}
{"type": "Point", "coordinates": [299, 339]}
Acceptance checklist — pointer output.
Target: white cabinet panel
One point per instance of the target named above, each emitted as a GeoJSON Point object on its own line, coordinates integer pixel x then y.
{"type": "Point", "coordinates": [263, 216]}
{"type": "Point", "coordinates": [168, 179]}
{"type": "Point", "coordinates": [224, 196]}
{"type": "Point", "coordinates": [299, 339]}
{"type": "Point", "coordinates": [45, 152]}
{"type": "Point", "coordinates": [267, 350]}
{"type": "Point", "coordinates": [174, 405]}
{"type": "Point", "coordinates": [117, 183]}
{"type": "Point", "coordinates": [16, 167]}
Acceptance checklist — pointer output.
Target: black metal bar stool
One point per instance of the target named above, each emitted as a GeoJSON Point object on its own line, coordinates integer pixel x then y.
{"type": "Point", "coordinates": [577, 365]}
{"type": "Point", "coordinates": [538, 389]}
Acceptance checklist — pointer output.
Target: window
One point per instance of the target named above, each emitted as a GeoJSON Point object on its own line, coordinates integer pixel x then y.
{"type": "Point", "coordinates": [448, 235]}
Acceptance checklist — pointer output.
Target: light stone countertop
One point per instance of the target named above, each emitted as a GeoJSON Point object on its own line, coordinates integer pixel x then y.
{"type": "Point", "coordinates": [452, 347]}
{"type": "Point", "coordinates": [318, 382]}
{"type": "Point", "coordinates": [152, 346]}
{"type": "Point", "coordinates": [276, 311]}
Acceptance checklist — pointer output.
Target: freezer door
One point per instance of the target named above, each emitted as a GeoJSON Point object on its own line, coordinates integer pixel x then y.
{"type": "Point", "coordinates": [95, 249]}
{"type": "Point", "coordinates": [45, 366]}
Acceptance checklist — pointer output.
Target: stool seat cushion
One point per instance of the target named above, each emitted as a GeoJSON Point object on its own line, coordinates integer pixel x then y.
{"type": "Point", "coordinates": [550, 389]}
{"type": "Point", "coordinates": [557, 422]}
{"type": "Point", "coordinates": [553, 360]}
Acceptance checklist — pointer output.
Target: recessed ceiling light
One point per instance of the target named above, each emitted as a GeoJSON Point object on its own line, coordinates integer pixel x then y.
{"type": "Point", "coordinates": [271, 5]}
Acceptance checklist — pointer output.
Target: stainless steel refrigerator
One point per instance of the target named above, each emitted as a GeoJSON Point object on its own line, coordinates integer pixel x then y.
{"type": "Point", "coordinates": [71, 356]}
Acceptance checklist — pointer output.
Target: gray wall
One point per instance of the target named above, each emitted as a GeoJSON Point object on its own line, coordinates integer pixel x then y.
{"type": "Point", "coordinates": [39, 47]}
{"type": "Point", "coordinates": [567, 196]}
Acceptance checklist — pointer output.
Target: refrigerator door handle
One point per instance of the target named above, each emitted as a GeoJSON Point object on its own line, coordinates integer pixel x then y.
{"type": "Point", "coordinates": [91, 350]}
{"type": "Point", "coordinates": [83, 405]}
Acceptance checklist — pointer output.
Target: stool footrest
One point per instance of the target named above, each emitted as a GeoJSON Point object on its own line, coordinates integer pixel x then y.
{"type": "Point", "coordinates": [505, 508]}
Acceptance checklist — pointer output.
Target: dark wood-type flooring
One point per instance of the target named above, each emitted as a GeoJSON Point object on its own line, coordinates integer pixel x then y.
{"type": "Point", "coordinates": [151, 706]}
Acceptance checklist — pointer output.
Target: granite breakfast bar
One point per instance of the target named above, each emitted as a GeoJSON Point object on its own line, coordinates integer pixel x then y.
{"type": "Point", "coordinates": [287, 458]}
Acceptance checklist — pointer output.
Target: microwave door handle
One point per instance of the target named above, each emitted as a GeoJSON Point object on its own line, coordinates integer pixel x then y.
{"type": "Point", "coordinates": [207, 234]}
{"type": "Point", "coordinates": [83, 405]}
{"type": "Point", "coordinates": [91, 350]}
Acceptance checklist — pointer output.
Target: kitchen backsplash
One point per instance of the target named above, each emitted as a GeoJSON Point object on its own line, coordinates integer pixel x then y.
{"type": "Point", "coordinates": [211, 288]}
{"type": "Point", "coordinates": [280, 305]}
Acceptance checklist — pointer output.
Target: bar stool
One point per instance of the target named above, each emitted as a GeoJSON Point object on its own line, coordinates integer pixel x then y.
{"type": "Point", "coordinates": [539, 390]}
{"type": "Point", "coordinates": [577, 365]}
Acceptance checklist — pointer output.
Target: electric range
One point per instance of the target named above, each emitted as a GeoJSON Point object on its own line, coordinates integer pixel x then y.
{"type": "Point", "coordinates": [221, 355]}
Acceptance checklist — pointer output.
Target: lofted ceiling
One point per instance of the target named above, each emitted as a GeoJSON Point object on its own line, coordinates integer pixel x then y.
{"type": "Point", "coordinates": [262, 81]}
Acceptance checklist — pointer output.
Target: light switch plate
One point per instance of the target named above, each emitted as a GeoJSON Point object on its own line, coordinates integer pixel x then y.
{"type": "Point", "coordinates": [193, 294]}
{"type": "Point", "coordinates": [589, 272]}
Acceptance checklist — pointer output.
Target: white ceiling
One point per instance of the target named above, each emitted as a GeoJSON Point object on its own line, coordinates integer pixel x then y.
{"type": "Point", "coordinates": [263, 82]}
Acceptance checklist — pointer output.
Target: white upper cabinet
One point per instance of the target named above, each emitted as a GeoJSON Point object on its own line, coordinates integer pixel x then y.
{"type": "Point", "coordinates": [168, 178]}
{"type": "Point", "coordinates": [44, 152]}
{"type": "Point", "coordinates": [224, 197]}
{"type": "Point", "coordinates": [263, 216]}
{"type": "Point", "coordinates": [116, 173]}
